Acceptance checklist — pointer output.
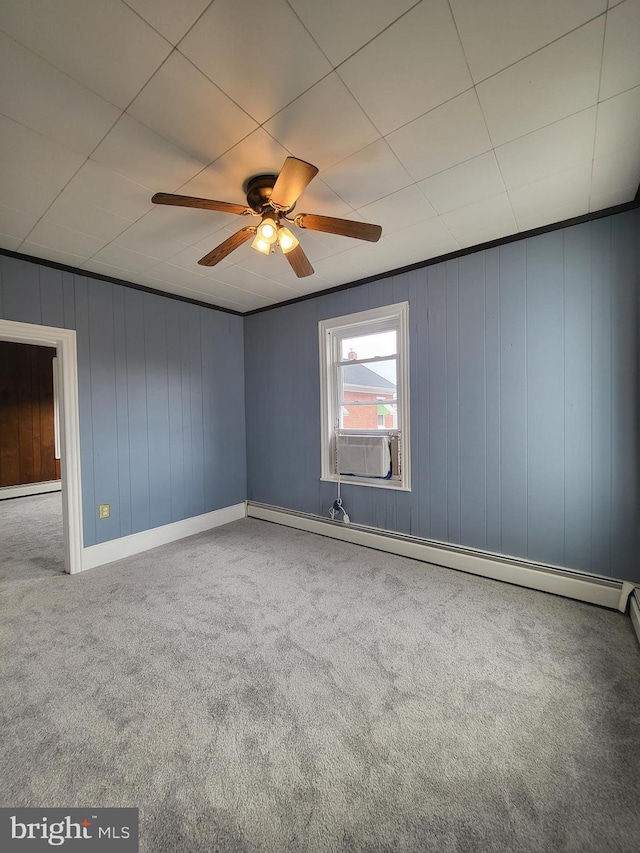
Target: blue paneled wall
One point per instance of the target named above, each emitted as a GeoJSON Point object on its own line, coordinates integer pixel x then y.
{"type": "Point", "coordinates": [524, 400]}
{"type": "Point", "coordinates": [161, 386]}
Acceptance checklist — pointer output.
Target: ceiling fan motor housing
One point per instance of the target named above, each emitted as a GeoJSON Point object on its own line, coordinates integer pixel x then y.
{"type": "Point", "coordinates": [259, 189]}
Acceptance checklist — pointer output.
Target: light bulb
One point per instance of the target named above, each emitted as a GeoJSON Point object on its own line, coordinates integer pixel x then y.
{"type": "Point", "coordinates": [286, 240]}
{"type": "Point", "coordinates": [261, 245]}
{"type": "Point", "coordinates": [268, 229]}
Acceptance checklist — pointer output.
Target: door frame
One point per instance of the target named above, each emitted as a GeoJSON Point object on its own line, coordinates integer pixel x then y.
{"type": "Point", "coordinates": [64, 341]}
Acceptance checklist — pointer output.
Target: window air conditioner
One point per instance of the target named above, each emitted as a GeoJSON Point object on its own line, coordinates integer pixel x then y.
{"type": "Point", "coordinates": [363, 455]}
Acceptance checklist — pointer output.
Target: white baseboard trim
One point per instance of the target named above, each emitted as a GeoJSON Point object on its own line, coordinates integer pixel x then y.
{"type": "Point", "coordinates": [593, 589]}
{"type": "Point", "coordinates": [28, 489]}
{"type": "Point", "coordinates": [127, 546]}
{"type": "Point", "coordinates": [634, 610]}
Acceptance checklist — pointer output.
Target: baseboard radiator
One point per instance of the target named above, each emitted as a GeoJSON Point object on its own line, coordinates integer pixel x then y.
{"type": "Point", "coordinates": [570, 583]}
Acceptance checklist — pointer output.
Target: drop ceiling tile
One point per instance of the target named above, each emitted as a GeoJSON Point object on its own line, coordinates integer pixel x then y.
{"type": "Point", "coordinates": [324, 125]}
{"type": "Point", "coordinates": [623, 196]}
{"type": "Point", "coordinates": [10, 243]}
{"type": "Point", "coordinates": [126, 259]}
{"type": "Point", "coordinates": [242, 279]}
{"type": "Point", "coordinates": [551, 149]}
{"type": "Point", "coordinates": [45, 100]}
{"type": "Point", "coordinates": [86, 218]}
{"type": "Point", "coordinates": [359, 22]}
{"type": "Point", "coordinates": [412, 67]}
{"type": "Point", "coordinates": [20, 191]}
{"type": "Point", "coordinates": [372, 258]}
{"type": "Point", "coordinates": [424, 240]}
{"type": "Point", "coordinates": [177, 275]}
{"type": "Point", "coordinates": [65, 239]}
{"type": "Point", "coordinates": [502, 32]}
{"type": "Point", "coordinates": [553, 83]}
{"type": "Point", "coordinates": [338, 269]}
{"type": "Point", "coordinates": [82, 39]}
{"type": "Point", "coordinates": [169, 18]}
{"type": "Point", "coordinates": [320, 198]}
{"type": "Point", "coordinates": [274, 267]}
{"type": "Point", "coordinates": [248, 298]}
{"type": "Point", "coordinates": [224, 180]}
{"type": "Point", "coordinates": [485, 220]}
{"type": "Point", "coordinates": [16, 223]}
{"type": "Point", "coordinates": [150, 238]}
{"type": "Point", "coordinates": [136, 152]}
{"type": "Point", "coordinates": [49, 254]}
{"type": "Point", "coordinates": [94, 184]}
{"type": "Point", "coordinates": [315, 247]}
{"type": "Point", "coordinates": [199, 295]}
{"type": "Point", "coordinates": [464, 184]}
{"type": "Point", "coordinates": [618, 123]}
{"type": "Point", "coordinates": [182, 105]}
{"type": "Point", "coordinates": [187, 225]}
{"type": "Point", "coordinates": [119, 273]}
{"type": "Point", "coordinates": [552, 199]}
{"type": "Point", "coordinates": [367, 175]}
{"type": "Point", "coordinates": [615, 172]}
{"type": "Point", "coordinates": [44, 160]}
{"type": "Point", "coordinates": [620, 60]}
{"type": "Point", "coordinates": [398, 210]}
{"type": "Point", "coordinates": [229, 51]}
{"type": "Point", "coordinates": [188, 259]}
{"type": "Point", "coordinates": [277, 290]}
{"type": "Point", "coordinates": [446, 136]}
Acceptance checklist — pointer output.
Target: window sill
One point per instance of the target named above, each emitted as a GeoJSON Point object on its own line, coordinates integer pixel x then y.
{"type": "Point", "coordinates": [372, 484]}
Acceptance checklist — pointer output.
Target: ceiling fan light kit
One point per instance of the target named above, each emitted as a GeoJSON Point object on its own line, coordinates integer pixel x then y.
{"type": "Point", "coordinates": [272, 198]}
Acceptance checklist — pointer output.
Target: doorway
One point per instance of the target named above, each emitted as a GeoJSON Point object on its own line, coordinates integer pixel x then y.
{"type": "Point", "coordinates": [64, 343]}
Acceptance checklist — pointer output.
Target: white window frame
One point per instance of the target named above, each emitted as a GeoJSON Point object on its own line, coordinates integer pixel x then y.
{"type": "Point", "coordinates": [331, 332]}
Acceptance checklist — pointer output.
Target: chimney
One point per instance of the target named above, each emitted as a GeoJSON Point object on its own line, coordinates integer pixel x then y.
{"type": "Point", "coordinates": [352, 355]}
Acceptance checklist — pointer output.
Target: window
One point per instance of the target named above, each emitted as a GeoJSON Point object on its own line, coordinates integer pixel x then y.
{"type": "Point", "coordinates": [364, 382]}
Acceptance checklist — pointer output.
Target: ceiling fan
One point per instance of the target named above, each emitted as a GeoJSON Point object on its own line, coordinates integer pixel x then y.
{"type": "Point", "coordinates": [272, 199]}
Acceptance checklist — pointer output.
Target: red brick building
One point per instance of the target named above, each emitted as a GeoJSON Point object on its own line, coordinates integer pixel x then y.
{"type": "Point", "coordinates": [363, 384]}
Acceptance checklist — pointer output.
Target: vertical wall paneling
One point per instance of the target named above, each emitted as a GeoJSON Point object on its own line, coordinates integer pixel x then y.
{"type": "Point", "coordinates": [21, 292]}
{"type": "Point", "coordinates": [196, 413]}
{"type": "Point", "coordinates": [473, 472]}
{"type": "Point", "coordinates": [601, 373]}
{"type": "Point", "coordinates": [103, 407]}
{"type": "Point", "coordinates": [85, 394]}
{"type": "Point", "coordinates": [545, 396]}
{"type": "Point", "coordinates": [27, 447]}
{"type": "Point", "coordinates": [173, 333]}
{"type": "Point", "coordinates": [524, 386]}
{"type": "Point", "coordinates": [513, 398]}
{"type": "Point", "coordinates": [141, 387]}
{"type": "Point", "coordinates": [51, 297]}
{"type": "Point", "coordinates": [68, 300]}
{"type": "Point", "coordinates": [157, 386]}
{"type": "Point", "coordinates": [436, 412]}
{"type": "Point", "coordinates": [625, 373]}
{"type": "Point", "coordinates": [453, 403]}
{"type": "Point", "coordinates": [492, 404]}
{"type": "Point", "coordinates": [137, 409]}
{"type": "Point", "coordinates": [577, 396]}
{"type": "Point", "coordinates": [122, 412]}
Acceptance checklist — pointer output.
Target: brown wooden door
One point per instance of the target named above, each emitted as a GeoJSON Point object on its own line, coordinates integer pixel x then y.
{"type": "Point", "coordinates": [27, 437]}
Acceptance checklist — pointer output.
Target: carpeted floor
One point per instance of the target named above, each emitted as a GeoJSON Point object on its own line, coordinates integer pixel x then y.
{"type": "Point", "coordinates": [257, 688]}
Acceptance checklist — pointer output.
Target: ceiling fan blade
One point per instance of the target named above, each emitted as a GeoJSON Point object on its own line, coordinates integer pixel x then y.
{"type": "Point", "coordinates": [344, 227]}
{"type": "Point", "coordinates": [224, 249]}
{"type": "Point", "coordinates": [203, 203]}
{"type": "Point", "coordinates": [299, 262]}
{"type": "Point", "coordinates": [295, 176]}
